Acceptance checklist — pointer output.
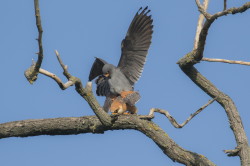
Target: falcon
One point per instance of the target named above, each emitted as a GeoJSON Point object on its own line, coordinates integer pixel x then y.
{"type": "Point", "coordinates": [117, 83]}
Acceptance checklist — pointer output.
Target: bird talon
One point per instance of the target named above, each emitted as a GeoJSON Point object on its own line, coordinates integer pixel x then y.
{"type": "Point", "coordinates": [126, 113]}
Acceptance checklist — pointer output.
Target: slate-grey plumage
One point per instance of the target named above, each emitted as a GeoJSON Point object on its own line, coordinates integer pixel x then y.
{"type": "Point", "coordinates": [113, 81]}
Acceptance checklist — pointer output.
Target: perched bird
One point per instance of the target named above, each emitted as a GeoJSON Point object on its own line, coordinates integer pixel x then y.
{"type": "Point", "coordinates": [117, 83]}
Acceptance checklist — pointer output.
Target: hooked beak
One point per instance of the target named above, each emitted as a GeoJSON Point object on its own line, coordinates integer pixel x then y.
{"type": "Point", "coordinates": [106, 75]}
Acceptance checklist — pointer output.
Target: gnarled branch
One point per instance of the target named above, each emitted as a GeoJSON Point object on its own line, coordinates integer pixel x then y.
{"type": "Point", "coordinates": [171, 118]}
{"type": "Point", "coordinates": [32, 72]}
{"type": "Point", "coordinates": [91, 124]}
{"type": "Point", "coordinates": [186, 64]}
{"type": "Point", "coordinates": [86, 92]}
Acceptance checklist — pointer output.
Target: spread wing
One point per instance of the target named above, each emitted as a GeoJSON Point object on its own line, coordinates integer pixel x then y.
{"type": "Point", "coordinates": [135, 45]}
{"type": "Point", "coordinates": [96, 68]}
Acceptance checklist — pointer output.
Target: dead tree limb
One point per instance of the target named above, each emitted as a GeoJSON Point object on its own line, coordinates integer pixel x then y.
{"type": "Point", "coordinates": [91, 124]}
{"type": "Point", "coordinates": [226, 61]}
{"type": "Point", "coordinates": [32, 72]}
{"type": "Point", "coordinates": [187, 65]}
{"type": "Point", "coordinates": [171, 118]}
{"type": "Point", "coordinates": [225, 5]}
{"type": "Point", "coordinates": [86, 92]}
{"type": "Point", "coordinates": [200, 24]}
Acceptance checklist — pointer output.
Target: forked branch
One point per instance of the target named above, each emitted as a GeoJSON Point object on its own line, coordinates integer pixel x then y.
{"type": "Point", "coordinates": [187, 65]}
{"type": "Point", "coordinates": [86, 92]}
{"type": "Point", "coordinates": [197, 54]}
{"type": "Point", "coordinates": [171, 118]}
{"type": "Point", "coordinates": [62, 85]}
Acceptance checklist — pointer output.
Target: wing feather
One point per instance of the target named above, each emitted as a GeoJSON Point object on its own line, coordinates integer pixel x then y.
{"type": "Point", "coordinates": [103, 88]}
{"type": "Point", "coordinates": [96, 68]}
{"type": "Point", "coordinates": [135, 45]}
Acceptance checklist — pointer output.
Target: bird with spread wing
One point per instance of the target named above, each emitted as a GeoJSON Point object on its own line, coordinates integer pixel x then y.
{"type": "Point", "coordinates": [117, 83]}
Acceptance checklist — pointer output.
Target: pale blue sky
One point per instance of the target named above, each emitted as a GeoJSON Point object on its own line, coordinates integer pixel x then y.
{"type": "Point", "coordinates": [81, 30]}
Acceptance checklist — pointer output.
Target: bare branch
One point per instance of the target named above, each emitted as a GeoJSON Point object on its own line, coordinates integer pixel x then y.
{"type": "Point", "coordinates": [203, 8]}
{"type": "Point", "coordinates": [86, 93]}
{"type": "Point", "coordinates": [57, 79]}
{"type": "Point", "coordinates": [32, 72]}
{"type": "Point", "coordinates": [172, 119]}
{"type": "Point", "coordinates": [91, 124]}
{"type": "Point", "coordinates": [197, 54]}
{"type": "Point", "coordinates": [227, 103]}
{"type": "Point", "coordinates": [233, 10]}
{"type": "Point", "coordinates": [65, 67]}
{"type": "Point", "coordinates": [200, 24]}
{"type": "Point", "coordinates": [226, 61]}
{"type": "Point", "coordinates": [186, 64]}
{"type": "Point", "coordinates": [233, 152]}
{"type": "Point", "coordinates": [225, 5]}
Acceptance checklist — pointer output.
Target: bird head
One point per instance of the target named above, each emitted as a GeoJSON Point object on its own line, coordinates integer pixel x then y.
{"type": "Point", "coordinates": [107, 70]}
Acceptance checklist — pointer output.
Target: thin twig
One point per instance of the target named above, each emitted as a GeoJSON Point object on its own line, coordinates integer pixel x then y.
{"type": "Point", "coordinates": [57, 79]}
{"type": "Point", "coordinates": [40, 34]}
{"type": "Point", "coordinates": [225, 5]}
{"type": "Point", "coordinates": [171, 119]}
{"type": "Point", "coordinates": [65, 67]}
{"type": "Point", "coordinates": [226, 61]}
{"type": "Point", "coordinates": [32, 72]}
{"type": "Point", "coordinates": [200, 24]}
{"type": "Point", "coordinates": [233, 152]}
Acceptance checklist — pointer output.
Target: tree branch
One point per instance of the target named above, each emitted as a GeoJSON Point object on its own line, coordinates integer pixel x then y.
{"type": "Point", "coordinates": [232, 113]}
{"type": "Point", "coordinates": [91, 124]}
{"type": "Point", "coordinates": [86, 92]}
{"type": "Point", "coordinates": [103, 122]}
{"type": "Point", "coordinates": [32, 72]}
{"type": "Point", "coordinates": [203, 8]}
{"type": "Point", "coordinates": [57, 79]}
{"type": "Point", "coordinates": [233, 10]}
{"type": "Point", "coordinates": [65, 67]}
{"type": "Point", "coordinates": [172, 119]}
{"type": "Point", "coordinates": [186, 64]}
{"type": "Point", "coordinates": [233, 152]}
{"type": "Point", "coordinates": [197, 54]}
{"type": "Point", "coordinates": [225, 61]}
{"type": "Point", "coordinates": [200, 22]}
{"type": "Point", "coordinates": [225, 5]}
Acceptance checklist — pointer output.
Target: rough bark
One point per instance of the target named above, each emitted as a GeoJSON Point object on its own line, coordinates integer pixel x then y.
{"type": "Point", "coordinates": [91, 124]}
